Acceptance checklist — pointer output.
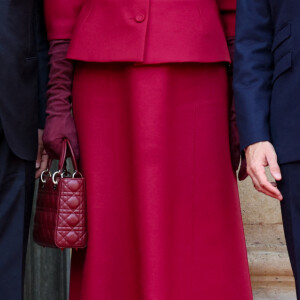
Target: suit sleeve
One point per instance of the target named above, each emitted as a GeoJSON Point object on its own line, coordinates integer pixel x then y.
{"type": "Point", "coordinates": [42, 55]}
{"type": "Point", "coordinates": [253, 70]}
{"type": "Point", "coordinates": [60, 17]}
{"type": "Point", "coordinates": [228, 10]}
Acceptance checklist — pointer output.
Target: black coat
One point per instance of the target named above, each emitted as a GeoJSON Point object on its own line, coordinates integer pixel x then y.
{"type": "Point", "coordinates": [23, 74]}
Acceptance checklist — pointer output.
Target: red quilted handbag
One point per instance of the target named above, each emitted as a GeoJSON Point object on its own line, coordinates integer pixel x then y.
{"type": "Point", "coordinates": [60, 218]}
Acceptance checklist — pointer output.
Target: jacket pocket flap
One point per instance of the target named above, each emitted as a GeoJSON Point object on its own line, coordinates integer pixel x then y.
{"type": "Point", "coordinates": [282, 65]}
{"type": "Point", "coordinates": [281, 36]}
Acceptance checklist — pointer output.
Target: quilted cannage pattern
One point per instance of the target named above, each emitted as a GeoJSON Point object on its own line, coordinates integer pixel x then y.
{"type": "Point", "coordinates": [60, 219]}
{"type": "Point", "coordinates": [71, 218]}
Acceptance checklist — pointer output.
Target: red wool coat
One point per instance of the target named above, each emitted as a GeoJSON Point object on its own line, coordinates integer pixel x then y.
{"type": "Point", "coordinates": [164, 219]}
{"type": "Point", "coordinates": [112, 30]}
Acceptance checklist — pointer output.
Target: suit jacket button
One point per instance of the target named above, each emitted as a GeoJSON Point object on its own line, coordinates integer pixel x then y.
{"type": "Point", "coordinates": [140, 18]}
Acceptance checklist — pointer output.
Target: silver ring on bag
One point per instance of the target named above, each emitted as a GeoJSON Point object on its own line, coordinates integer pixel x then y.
{"type": "Point", "coordinates": [45, 173]}
{"type": "Point", "coordinates": [77, 173]}
{"type": "Point", "coordinates": [59, 172]}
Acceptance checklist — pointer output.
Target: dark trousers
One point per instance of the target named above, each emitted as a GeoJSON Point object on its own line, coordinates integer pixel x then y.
{"type": "Point", "coordinates": [16, 193]}
{"type": "Point", "coordinates": [290, 208]}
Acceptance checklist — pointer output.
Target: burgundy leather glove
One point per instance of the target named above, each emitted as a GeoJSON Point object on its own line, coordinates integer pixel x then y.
{"type": "Point", "coordinates": [233, 129]}
{"type": "Point", "coordinates": [59, 122]}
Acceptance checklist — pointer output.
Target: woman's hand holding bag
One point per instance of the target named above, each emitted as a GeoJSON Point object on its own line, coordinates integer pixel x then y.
{"type": "Point", "coordinates": [59, 123]}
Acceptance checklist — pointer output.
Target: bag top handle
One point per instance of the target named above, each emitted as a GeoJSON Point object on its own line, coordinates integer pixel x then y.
{"type": "Point", "coordinates": [66, 144]}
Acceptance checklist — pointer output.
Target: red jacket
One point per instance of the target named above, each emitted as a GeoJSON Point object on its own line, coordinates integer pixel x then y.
{"type": "Point", "coordinates": [146, 31]}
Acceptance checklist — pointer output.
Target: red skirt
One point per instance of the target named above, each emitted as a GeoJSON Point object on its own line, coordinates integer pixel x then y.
{"type": "Point", "coordinates": [164, 217]}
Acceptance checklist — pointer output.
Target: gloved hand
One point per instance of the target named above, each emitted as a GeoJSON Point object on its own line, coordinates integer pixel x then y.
{"type": "Point", "coordinates": [233, 129]}
{"type": "Point", "coordinates": [59, 123]}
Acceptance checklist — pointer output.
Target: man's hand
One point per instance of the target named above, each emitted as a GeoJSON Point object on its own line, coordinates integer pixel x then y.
{"type": "Point", "coordinates": [42, 156]}
{"type": "Point", "coordinates": [259, 156]}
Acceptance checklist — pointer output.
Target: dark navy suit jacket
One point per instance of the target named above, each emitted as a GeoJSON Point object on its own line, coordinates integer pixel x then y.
{"type": "Point", "coordinates": [23, 74]}
{"type": "Point", "coordinates": [267, 74]}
